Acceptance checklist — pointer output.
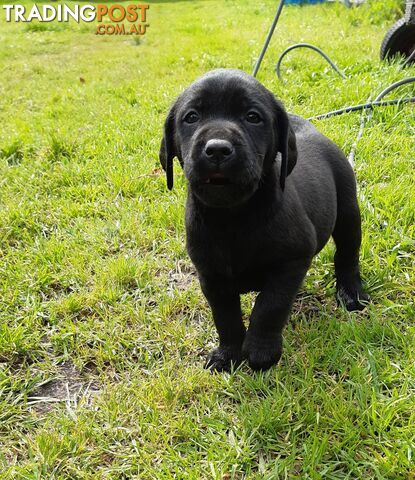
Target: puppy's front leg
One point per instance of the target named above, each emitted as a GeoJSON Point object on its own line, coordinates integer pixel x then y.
{"type": "Point", "coordinates": [263, 342]}
{"type": "Point", "coordinates": [226, 310]}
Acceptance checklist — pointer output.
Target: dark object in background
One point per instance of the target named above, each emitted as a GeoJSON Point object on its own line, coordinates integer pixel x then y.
{"type": "Point", "coordinates": [266, 191]}
{"type": "Point", "coordinates": [400, 39]}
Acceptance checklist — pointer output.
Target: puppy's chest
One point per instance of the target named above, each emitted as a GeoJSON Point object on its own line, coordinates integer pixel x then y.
{"type": "Point", "coordinates": [231, 251]}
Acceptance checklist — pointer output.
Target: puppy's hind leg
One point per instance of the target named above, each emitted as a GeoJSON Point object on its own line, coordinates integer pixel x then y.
{"type": "Point", "coordinates": [347, 237]}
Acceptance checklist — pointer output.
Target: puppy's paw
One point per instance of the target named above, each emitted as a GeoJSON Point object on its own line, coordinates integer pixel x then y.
{"type": "Point", "coordinates": [222, 359]}
{"type": "Point", "coordinates": [353, 298]}
{"type": "Point", "coordinates": [262, 354]}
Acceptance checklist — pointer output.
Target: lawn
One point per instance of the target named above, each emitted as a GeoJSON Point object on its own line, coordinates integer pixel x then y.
{"type": "Point", "coordinates": [103, 327]}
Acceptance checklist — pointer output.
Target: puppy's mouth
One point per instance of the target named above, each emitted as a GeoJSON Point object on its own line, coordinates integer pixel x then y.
{"type": "Point", "coordinates": [217, 179]}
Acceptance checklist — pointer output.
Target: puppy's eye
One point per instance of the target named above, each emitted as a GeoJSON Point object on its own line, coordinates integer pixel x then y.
{"type": "Point", "coordinates": [191, 117]}
{"type": "Point", "coordinates": [253, 117]}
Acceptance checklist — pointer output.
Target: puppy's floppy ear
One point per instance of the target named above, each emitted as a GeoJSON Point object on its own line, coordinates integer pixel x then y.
{"type": "Point", "coordinates": [168, 149]}
{"type": "Point", "coordinates": [287, 144]}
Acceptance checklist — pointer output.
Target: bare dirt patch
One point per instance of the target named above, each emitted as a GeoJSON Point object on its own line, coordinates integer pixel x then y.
{"type": "Point", "coordinates": [68, 387]}
{"type": "Point", "coordinates": [182, 276]}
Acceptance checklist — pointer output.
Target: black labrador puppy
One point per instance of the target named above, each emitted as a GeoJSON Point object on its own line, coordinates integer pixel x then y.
{"type": "Point", "coordinates": [265, 192]}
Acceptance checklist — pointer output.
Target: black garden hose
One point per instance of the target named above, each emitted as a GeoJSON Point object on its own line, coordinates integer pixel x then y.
{"type": "Point", "coordinates": [397, 84]}
{"type": "Point", "coordinates": [377, 102]}
{"type": "Point", "coordinates": [312, 47]}
{"type": "Point", "coordinates": [268, 39]}
{"type": "Point", "coordinates": [353, 108]}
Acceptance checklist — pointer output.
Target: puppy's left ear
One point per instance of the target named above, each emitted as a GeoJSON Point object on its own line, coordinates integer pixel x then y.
{"type": "Point", "coordinates": [287, 144]}
{"type": "Point", "coordinates": [168, 149]}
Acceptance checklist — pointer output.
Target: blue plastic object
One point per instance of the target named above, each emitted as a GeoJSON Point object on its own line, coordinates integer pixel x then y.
{"type": "Point", "coordinates": [300, 2]}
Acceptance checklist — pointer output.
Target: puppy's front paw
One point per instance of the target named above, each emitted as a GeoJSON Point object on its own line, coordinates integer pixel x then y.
{"type": "Point", "coordinates": [352, 297]}
{"type": "Point", "coordinates": [222, 359]}
{"type": "Point", "coordinates": [262, 354]}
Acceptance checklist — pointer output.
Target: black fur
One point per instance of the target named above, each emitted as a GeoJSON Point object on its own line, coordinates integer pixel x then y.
{"type": "Point", "coordinates": [253, 221]}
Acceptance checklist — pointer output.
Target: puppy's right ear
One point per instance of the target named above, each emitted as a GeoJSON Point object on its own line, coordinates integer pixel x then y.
{"type": "Point", "coordinates": [168, 148]}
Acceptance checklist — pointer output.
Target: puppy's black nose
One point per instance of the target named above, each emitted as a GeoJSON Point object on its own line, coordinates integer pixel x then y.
{"type": "Point", "coordinates": [218, 150]}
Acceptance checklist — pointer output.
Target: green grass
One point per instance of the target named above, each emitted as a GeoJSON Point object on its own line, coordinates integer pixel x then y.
{"type": "Point", "coordinates": [103, 328]}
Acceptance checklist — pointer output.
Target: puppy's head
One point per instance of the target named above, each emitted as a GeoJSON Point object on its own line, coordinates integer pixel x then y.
{"type": "Point", "coordinates": [226, 129]}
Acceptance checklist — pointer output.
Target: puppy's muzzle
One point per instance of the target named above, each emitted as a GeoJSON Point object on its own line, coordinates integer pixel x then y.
{"type": "Point", "coordinates": [218, 151]}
